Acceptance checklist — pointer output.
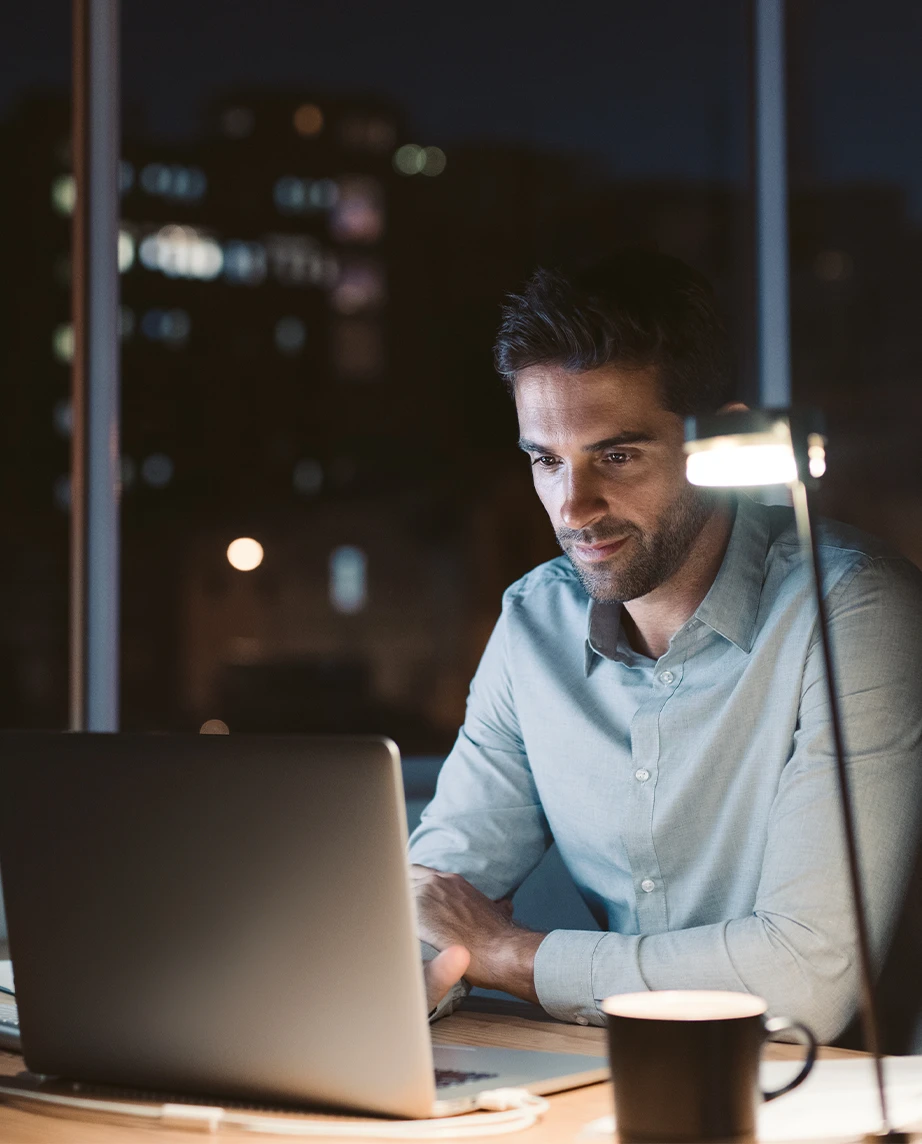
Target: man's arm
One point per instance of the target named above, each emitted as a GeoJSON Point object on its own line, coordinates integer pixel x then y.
{"type": "Point", "coordinates": [485, 822]}
{"type": "Point", "coordinates": [797, 947]}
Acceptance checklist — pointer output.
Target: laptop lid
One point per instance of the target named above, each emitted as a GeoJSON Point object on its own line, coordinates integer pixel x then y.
{"type": "Point", "coordinates": [215, 914]}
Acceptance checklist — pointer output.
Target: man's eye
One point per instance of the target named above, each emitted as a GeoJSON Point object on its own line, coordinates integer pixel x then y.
{"type": "Point", "coordinates": [618, 458]}
{"type": "Point", "coordinates": [545, 462]}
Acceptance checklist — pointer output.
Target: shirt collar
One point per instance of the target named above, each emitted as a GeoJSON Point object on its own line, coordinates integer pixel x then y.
{"type": "Point", "coordinates": [731, 606]}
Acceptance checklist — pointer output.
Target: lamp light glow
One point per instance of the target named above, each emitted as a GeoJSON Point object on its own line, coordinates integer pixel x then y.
{"type": "Point", "coordinates": [748, 448]}
{"type": "Point", "coordinates": [729, 465]}
{"type": "Point", "coordinates": [245, 554]}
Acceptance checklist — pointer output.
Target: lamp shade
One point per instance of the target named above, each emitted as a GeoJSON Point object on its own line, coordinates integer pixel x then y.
{"type": "Point", "coordinates": [753, 447]}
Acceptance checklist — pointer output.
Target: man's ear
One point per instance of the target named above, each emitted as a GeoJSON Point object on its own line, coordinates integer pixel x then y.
{"type": "Point", "coordinates": [734, 407]}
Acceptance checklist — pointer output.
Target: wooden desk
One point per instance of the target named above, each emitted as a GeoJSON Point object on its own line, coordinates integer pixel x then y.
{"type": "Point", "coordinates": [568, 1113]}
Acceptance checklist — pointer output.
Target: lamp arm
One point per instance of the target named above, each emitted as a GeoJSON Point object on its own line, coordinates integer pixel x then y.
{"type": "Point", "coordinates": [803, 512]}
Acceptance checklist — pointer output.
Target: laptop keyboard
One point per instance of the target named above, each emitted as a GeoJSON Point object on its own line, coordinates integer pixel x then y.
{"type": "Point", "coordinates": [9, 1026]}
{"type": "Point", "coordinates": [445, 1078]}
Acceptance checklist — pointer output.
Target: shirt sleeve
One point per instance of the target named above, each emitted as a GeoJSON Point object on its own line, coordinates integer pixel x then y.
{"type": "Point", "coordinates": [797, 948]}
{"type": "Point", "coordinates": [486, 821]}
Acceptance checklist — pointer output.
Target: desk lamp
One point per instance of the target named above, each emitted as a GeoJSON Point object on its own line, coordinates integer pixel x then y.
{"type": "Point", "coordinates": [774, 447]}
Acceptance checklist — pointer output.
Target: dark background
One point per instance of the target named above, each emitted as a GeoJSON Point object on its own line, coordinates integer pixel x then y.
{"type": "Point", "coordinates": [329, 390]}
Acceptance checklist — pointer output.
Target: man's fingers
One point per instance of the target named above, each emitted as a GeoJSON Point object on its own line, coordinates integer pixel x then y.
{"type": "Point", "coordinates": [443, 971]}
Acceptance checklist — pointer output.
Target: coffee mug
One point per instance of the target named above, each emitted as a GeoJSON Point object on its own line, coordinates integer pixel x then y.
{"type": "Point", "coordinates": [685, 1064]}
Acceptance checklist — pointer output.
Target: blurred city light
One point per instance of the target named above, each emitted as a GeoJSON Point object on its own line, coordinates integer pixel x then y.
{"type": "Point", "coordinates": [238, 122]}
{"type": "Point", "coordinates": [434, 161]}
{"type": "Point", "coordinates": [833, 266]}
{"type": "Point", "coordinates": [63, 417]}
{"type": "Point", "coordinates": [360, 286]}
{"type": "Point", "coordinates": [171, 326]}
{"type": "Point", "coordinates": [62, 342]}
{"type": "Point", "coordinates": [245, 262]}
{"type": "Point", "coordinates": [125, 176]}
{"type": "Point", "coordinates": [294, 195]}
{"type": "Point", "coordinates": [290, 335]}
{"type": "Point", "coordinates": [245, 554]}
{"type": "Point", "coordinates": [125, 322]}
{"type": "Point", "coordinates": [182, 252]}
{"type": "Point", "coordinates": [307, 477]}
{"type": "Point", "coordinates": [214, 727]}
{"type": "Point", "coordinates": [409, 159]}
{"type": "Point", "coordinates": [64, 194]}
{"type": "Point", "coordinates": [358, 215]}
{"type": "Point", "coordinates": [125, 251]}
{"type": "Point", "coordinates": [174, 182]}
{"type": "Point", "coordinates": [348, 579]}
{"type": "Point", "coordinates": [308, 119]}
{"type": "Point", "coordinates": [157, 470]}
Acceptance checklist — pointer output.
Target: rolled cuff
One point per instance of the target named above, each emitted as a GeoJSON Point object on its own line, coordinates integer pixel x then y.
{"type": "Point", "coordinates": [564, 977]}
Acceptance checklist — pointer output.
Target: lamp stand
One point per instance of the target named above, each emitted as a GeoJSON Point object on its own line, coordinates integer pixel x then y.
{"type": "Point", "coordinates": [803, 512]}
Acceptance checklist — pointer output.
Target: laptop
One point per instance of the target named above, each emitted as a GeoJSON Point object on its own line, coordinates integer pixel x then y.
{"type": "Point", "coordinates": [230, 916]}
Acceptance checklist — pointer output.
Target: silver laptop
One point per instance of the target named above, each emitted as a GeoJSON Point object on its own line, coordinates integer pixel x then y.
{"type": "Point", "coordinates": [230, 916]}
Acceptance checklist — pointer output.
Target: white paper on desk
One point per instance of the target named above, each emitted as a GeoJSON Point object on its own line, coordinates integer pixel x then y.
{"type": "Point", "coordinates": [837, 1101]}
{"type": "Point", "coordinates": [6, 974]}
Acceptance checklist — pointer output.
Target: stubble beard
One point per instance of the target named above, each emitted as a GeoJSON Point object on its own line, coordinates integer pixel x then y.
{"type": "Point", "coordinates": [650, 557]}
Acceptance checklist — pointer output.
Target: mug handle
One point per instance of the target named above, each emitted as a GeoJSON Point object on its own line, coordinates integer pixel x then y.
{"type": "Point", "coordinates": [806, 1038]}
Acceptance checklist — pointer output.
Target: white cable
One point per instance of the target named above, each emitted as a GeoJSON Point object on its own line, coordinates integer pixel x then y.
{"type": "Point", "coordinates": [503, 1110]}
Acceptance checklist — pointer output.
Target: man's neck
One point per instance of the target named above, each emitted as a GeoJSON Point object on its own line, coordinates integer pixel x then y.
{"type": "Point", "coordinates": [651, 621]}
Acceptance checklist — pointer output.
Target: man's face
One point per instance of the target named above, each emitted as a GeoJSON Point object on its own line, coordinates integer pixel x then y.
{"type": "Point", "coordinates": [608, 466]}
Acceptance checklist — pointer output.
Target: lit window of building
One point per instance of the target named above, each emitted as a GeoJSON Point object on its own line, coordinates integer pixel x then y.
{"type": "Point", "coordinates": [62, 342]}
{"type": "Point", "coordinates": [348, 579]}
{"type": "Point", "coordinates": [296, 259]}
{"type": "Point", "coordinates": [359, 286]}
{"type": "Point", "coordinates": [182, 252]}
{"type": "Point", "coordinates": [308, 120]}
{"type": "Point", "coordinates": [125, 251]}
{"type": "Point", "coordinates": [64, 194]}
{"type": "Point", "coordinates": [358, 215]}
{"type": "Point", "coordinates": [172, 326]}
{"type": "Point", "coordinates": [245, 263]}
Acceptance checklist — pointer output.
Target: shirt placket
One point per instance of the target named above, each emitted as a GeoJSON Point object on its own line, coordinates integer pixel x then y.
{"type": "Point", "coordinates": [649, 886]}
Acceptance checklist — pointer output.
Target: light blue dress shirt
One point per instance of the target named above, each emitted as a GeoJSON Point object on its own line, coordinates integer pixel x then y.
{"type": "Point", "coordinates": [693, 798]}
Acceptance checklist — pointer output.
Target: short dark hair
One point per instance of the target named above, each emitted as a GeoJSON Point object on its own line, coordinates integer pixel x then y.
{"type": "Point", "coordinates": [637, 309]}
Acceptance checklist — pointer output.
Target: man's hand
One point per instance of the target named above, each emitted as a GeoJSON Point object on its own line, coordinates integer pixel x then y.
{"type": "Point", "coordinates": [452, 913]}
{"type": "Point", "coordinates": [443, 971]}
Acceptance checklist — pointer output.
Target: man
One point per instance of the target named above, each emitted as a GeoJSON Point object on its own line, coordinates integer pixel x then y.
{"type": "Point", "coordinates": [654, 700]}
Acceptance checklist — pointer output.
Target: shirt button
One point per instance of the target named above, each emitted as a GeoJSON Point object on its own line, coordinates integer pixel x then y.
{"type": "Point", "coordinates": [642, 775]}
{"type": "Point", "coordinates": [666, 677]}
{"type": "Point", "coordinates": [648, 886]}
{"type": "Point", "coordinates": [582, 1020]}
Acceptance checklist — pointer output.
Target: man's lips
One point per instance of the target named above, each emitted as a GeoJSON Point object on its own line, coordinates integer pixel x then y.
{"type": "Point", "coordinates": [593, 553]}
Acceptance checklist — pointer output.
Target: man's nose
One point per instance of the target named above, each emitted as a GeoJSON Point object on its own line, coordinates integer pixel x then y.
{"type": "Point", "coordinates": [583, 503]}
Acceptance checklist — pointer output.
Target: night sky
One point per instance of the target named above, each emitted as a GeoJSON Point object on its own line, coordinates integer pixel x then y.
{"type": "Point", "coordinates": [654, 89]}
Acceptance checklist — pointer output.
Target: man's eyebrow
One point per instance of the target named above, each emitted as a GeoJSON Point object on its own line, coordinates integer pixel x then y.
{"type": "Point", "coordinates": [632, 438]}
